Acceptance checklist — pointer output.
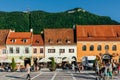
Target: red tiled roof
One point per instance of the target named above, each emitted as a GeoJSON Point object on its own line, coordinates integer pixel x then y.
{"type": "Point", "coordinates": [3, 36]}
{"type": "Point", "coordinates": [58, 36]}
{"type": "Point", "coordinates": [18, 37]}
{"type": "Point", "coordinates": [98, 32]}
{"type": "Point", "coordinates": [37, 40]}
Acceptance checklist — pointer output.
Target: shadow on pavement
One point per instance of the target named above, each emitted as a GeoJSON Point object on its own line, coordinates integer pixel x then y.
{"type": "Point", "coordinates": [84, 76]}
{"type": "Point", "coordinates": [15, 77]}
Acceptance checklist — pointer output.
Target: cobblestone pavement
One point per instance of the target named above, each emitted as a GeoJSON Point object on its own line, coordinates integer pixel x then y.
{"type": "Point", "coordinates": [45, 74]}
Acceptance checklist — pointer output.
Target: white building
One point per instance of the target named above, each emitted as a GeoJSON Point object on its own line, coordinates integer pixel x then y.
{"type": "Point", "coordinates": [19, 46]}
{"type": "Point", "coordinates": [59, 43]}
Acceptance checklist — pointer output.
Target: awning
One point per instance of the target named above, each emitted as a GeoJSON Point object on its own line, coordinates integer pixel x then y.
{"type": "Point", "coordinates": [19, 61]}
{"type": "Point", "coordinates": [44, 60]}
{"type": "Point", "coordinates": [106, 56]}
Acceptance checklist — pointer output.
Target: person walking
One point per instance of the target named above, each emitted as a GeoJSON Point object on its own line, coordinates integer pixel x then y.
{"type": "Point", "coordinates": [28, 71]}
{"type": "Point", "coordinates": [119, 68]}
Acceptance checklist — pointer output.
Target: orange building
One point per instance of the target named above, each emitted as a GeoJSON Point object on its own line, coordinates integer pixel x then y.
{"type": "Point", "coordinates": [102, 41]}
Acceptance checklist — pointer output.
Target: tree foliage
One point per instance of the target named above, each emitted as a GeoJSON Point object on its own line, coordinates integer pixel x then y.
{"type": "Point", "coordinates": [13, 64]}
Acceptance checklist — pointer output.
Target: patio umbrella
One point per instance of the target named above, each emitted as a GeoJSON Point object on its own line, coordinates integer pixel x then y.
{"type": "Point", "coordinates": [19, 61]}
{"type": "Point", "coordinates": [7, 61]}
{"type": "Point", "coordinates": [44, 60]}
{"type": "Point", "coordinates": [1, 60]}
{"type": "Point", "coordinates": [68, 59]}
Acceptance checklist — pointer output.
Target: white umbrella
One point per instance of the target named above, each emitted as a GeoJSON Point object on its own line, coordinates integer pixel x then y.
{"type": "Point", "coordinates": [68, 59]}
{"type": "Point", "coordinates": [19, 61]}
{"type": "Point", "coordinates": [7, 61]}
{"type": "Point", "coordinates": [44, 60]}
{"type": "Point", "coordinates": [58, 60]}
{"type": "Point", "coordinates": [1, 60]}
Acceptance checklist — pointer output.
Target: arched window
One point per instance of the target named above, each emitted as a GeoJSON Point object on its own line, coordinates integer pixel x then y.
{"type": "Point", "coordinates": [114, 48]}
{"type": "Point", "coordinates": [99, 48]}
{"type": "Point", "coordinates": [106, 47]}
{"type": "Point", "coordinates": [91, 48]}
{"type": "Point", "coordinates": [84, 47]}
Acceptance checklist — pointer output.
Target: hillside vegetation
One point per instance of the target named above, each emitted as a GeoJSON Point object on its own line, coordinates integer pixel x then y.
{"type": "Point", "coordinates": [38, 20]}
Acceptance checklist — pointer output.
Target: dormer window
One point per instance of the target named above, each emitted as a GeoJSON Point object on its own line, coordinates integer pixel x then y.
{"type": "Point", "coordinates": [13, 40]}
{"type": "Point", "coordinates": [68, 41]}
{"type": "Point", "coordinates": [50, 41]}
{"type": "Point", "coordinates": [117, 34]}
{"type": "Point", "coordinates": [24, 40]}
{"type": "Point", "coordinates": [59, 41]}
{"type": "Point", "coordinates": [37, 41]}
{"type": "Point", "coordinates": [89, 35]}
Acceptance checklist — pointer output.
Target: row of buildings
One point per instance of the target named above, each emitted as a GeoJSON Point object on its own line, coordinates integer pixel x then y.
{"type": "Point", "coordinates": [102, 41]}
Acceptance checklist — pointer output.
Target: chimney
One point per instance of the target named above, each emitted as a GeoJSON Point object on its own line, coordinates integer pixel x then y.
{"type": "Point", "coordinates": [74, 27]}
{"type": "Point", "coordinates": [31, 30]}
{"type": "Point", "coordinates": [12, 30]}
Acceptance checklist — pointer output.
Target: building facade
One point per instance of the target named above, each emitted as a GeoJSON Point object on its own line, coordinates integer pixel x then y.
{"type": "Point", "coordinates": [3, 52]}
{"type": "Point", "coordinates": [37, 48]}
{"type": "Point", "coordinates": [102, 41]}
{"type": "Point", "coordinates": [19, 46]}
{"type": "Point", "coordinates": [59, 43]}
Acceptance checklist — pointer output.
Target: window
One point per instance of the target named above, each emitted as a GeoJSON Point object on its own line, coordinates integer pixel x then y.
{"type": "Point", "coordinates": [84, 47]}
{"type": "Point", "coordinates": [89, 35]}
{"type": "Point", "coordinates": [59, 41]}
{"type": "Point", "coordinates": [61, 50]}
{"type": "Point", "coordinates": [50, 41]}
{"type": "Point", "coordinates": [35, 50]}
{"type": "Point", "coordinates": [37, 41]}
{"type": "Point", "coordinates": [114, 48]}
{"type": "Point", "coordinates": [91, 48]}
{"type": "Point", "coordinates": [13, 40]}
{"type": "Point", "coordinates": [26, 50]}
{"type": "Point", "coordinates": [17, 50]}
{"type": "Point", "coordinates": [24, 40]}
{"type": "Point", "coordinates": [71, 50]}
{"type": "Point", "coordinates": [41, 50]}
{"type": "Point", "coordinates": [68, 41]}
{"type": "Point", "coordinates": [99, 48]}
{"type": "Point", "coordinates": [4, 51]}
{"type": "Point", "coordinates": [51, 50]}
{"type": "Point", "coordinates": [11, 50]}
{"type": "Point", "coordinates": [106, 47]}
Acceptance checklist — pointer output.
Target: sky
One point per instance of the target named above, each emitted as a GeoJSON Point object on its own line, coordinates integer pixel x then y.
{"type": "Point", "coordinates": [109, 8]}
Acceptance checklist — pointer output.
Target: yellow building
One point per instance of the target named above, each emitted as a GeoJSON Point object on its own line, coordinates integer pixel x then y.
{"type": "Point", "coordinates": [102, 41]}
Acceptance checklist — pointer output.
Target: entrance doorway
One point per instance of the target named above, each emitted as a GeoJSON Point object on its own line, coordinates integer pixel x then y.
{"type": "Point", "coordinates": [27, 61]}
{"type": "Point", "coordinates": [35, 61]}
{"type": "Point", "coordinates": [106, 58]}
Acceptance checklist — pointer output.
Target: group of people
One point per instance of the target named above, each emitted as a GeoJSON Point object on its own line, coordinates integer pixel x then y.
{"type": "Point", "coordinates": [107, 70]}
{"type": "Point", "coordinates": [74, 66]}
{"type": "Point", "coordinates": [5, 67]}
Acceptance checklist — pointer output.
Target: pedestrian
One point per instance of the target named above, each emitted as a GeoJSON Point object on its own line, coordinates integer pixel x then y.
{"type": "Point", "coordinates": [97, 68]}
{"type": "Point", "coordinates": [119, 68]}
{"type": "Point", "coordinates": [73, 67]}
{"type": "Point", "coordinates": [28, 71]}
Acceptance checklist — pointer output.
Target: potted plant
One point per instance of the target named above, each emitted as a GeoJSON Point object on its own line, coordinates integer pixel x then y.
{"type": "Point", "coordinates": [53, 65]}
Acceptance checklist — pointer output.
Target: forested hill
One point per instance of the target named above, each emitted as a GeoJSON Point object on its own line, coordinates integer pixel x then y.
{"type": "Point", "coordinates": [38, 20]}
